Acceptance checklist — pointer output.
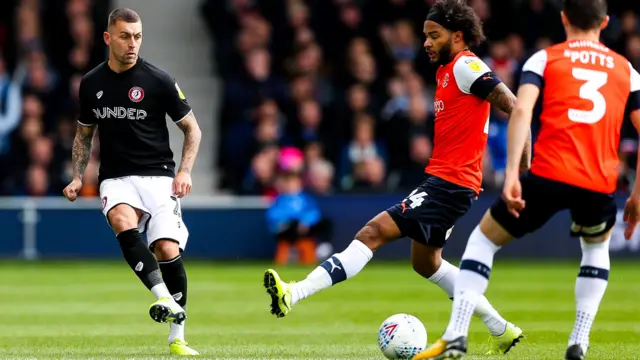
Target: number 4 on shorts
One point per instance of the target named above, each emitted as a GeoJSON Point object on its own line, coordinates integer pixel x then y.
{"type": "Point", "coordinates": [416, 198]}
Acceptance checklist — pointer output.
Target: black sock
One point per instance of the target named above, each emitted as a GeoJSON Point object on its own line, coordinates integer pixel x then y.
{"type": "Point", "coordinates": [139, 257]}
{"type": "Point", "coordinates": [175, 278]}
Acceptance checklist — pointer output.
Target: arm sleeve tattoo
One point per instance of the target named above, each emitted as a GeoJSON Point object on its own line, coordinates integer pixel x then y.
{"type": "Point", "coordinates": [81, 152]}
{"type": "Point", "coordinates": [502, 98]}
{"type": "Point", "coordinates": [192, 136]}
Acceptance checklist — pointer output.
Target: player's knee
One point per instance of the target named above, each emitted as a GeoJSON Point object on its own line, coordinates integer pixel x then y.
{"type": "Point", "coordinates": [378, 231]}
{"type": "Point", "coordinates": [428, 262]}
{"type": "Point", "coordinates": [166, 249]}
{"type": "Point", "coordinates": [123, 217]}
{"type": "Point", "coordinates": [371, 235]}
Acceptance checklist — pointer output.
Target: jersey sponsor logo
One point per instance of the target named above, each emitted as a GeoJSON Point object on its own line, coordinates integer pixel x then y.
{"type": "Point", "coordinates": [445, 80]}
{"type": "Point", "coordinates": [180, 93]}
{"type": "Point", "coordinates": [438, 106]}
{"type": "Point", "coordinates": [136, 94]}
{"type": "Point", "coordinates": [119, 113]}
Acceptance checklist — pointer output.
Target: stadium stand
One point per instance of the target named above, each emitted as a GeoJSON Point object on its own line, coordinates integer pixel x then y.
{"type": "Point", "coordinates": [345, 81]}
{"type": "Point", "coordinates": [45, 48]}
{"type": "Point", "coordinates": [348, 83]}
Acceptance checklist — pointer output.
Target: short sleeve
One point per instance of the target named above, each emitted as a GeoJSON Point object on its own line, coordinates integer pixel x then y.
{"type": "Point", "coordinates": [86, 117]}
{"type": "Point", "coordinates": [467, 70]}
{"type": "Point", "coordinates": [634, 95]}
{"type": "Point", "coordinates": [533, 69]}
{"type": "Point", "coordinates": [175, 101]}
{"type": "Point", "coordinates": [635, 79]}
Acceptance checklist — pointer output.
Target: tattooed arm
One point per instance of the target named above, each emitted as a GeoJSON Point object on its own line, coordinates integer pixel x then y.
{"type": "Point", "coordinates": [82, 149]}
{"type": "Point", "coordinates": [192, 136]}
{"type": "Point", "coordinates": [502, 98]}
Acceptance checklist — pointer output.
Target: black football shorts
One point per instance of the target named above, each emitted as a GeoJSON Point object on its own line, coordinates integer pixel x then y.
{"type": "Point", "coordinates": [429, 213]}
{"type": "Point", "coordinates": [592, 213]}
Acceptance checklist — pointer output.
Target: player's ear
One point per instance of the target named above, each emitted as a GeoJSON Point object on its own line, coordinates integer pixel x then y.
{"type": "Point", "coordinates": [604, 23]}
{"type": "Point", "coordinates": [107, 38]}
{"type": "Point", "coordinates": [457, 36]}
{"type": "Point", "coordinates": [564, 19]}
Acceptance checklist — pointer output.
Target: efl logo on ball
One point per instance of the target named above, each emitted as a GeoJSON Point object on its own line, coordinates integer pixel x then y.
{"type": "Point", "coordinates": [136, 94]}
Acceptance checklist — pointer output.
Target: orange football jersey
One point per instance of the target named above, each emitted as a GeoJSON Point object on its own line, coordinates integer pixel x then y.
{"type": "Point", "coordinates": [584, 87]}
{"type": "Point", "coordinates": [461, 123]}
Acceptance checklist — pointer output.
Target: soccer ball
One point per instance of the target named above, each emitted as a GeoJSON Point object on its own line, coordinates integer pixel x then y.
{"type": "Point", "coordinates": [402, 336]}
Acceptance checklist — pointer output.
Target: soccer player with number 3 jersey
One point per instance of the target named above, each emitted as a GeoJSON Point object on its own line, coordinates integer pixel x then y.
{"type": "Point", "coordinates": [585, 89]}
{"type": "Point", "coordinates": [466, 89]}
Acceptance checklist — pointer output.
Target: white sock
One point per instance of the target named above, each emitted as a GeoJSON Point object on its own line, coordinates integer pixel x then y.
{"type": "Point", "coordinates": [471, 283]}
{"type": "Point", "coordinates": [176, 332]}
{"type": "Point", "coordinates": [161, 291]}
{"type": "Point", "coordinates": [334, 270]}
{"type": "Point", "coordinates": [591, 285]}
{"type": "Point", "coordinates": [445, 278]}
{"type": "Point", "coordinates": [490, 316]}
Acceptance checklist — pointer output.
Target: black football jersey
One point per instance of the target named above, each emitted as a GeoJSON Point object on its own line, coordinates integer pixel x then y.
{"type": "Point", "coordinates": [130, 111]}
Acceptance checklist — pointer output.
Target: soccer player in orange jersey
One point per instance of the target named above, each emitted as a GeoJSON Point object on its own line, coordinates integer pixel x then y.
{"type": "Point", "coordinates": [465, 92]}
{"type": "Point", "coordinates": [585, 88]}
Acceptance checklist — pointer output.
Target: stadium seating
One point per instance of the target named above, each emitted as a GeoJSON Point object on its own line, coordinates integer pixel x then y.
{"type": "Point", "coordinates": [348, 83]}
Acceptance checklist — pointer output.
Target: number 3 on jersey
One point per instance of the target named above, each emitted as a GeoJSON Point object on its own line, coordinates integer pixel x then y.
{"type": "Point", "coordinates": [590, 90]}
{"type": "Point", "coordinates": [416, 198]}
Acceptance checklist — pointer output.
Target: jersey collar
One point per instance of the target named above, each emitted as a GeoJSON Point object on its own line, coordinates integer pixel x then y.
{"type": "Point", "coordinates": [137, 65]}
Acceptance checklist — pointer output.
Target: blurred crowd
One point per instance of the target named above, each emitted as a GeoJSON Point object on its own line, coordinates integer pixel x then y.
{"type": "Point", "coordinates": [345, 81]}
{"type": "Point", "coordinates": [45, 48]}
{"type": "Point", "coordinates": [348, 83]}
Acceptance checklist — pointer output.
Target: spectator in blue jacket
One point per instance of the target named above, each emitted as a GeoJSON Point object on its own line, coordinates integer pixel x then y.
{"type": "Point", "coordinates": [294, 217]}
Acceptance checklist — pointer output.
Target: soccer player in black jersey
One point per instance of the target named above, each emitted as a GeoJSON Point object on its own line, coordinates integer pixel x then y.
{"type": "Point", "coordinates": [126, 99]}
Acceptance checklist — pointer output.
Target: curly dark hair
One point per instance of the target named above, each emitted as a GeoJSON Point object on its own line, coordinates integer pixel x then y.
{"type": "Point", "coordinates": [456, 15]}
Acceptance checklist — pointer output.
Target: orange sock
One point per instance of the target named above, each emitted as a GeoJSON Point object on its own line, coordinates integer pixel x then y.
{"type": "Point", "coordinates": [306, 251]}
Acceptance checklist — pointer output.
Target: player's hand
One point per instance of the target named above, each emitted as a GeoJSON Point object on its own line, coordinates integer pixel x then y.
{"type": "Point", "coordinates": [72, 190]}
{"type": "Point", "coordinates": [512, 194]}
{"type": "Point", "coordinates": [631, 214]}
{"type": "Point", "coordinates": [182, 184]}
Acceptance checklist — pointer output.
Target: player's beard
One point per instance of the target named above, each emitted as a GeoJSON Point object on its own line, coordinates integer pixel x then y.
{"type": "Point", "coordinates": [444, 55]}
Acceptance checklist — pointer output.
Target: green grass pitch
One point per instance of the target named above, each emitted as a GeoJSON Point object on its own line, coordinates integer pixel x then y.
{"type": "Point", "coordinates": [98, 310]}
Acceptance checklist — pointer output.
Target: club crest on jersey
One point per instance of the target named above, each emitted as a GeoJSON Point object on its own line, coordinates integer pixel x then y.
{"type": "Point", "coordinates": [445, 80]}
{"type": "Point", "coordinates": [136, 94]}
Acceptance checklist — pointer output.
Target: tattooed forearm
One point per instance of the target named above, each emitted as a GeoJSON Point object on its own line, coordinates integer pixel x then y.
{"type": "Point", "coordinates": [502, 98]}
{"type": "Point", "coordinates": [192, 136]}
{"type": "Point", "coordinates": [82, 149]}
